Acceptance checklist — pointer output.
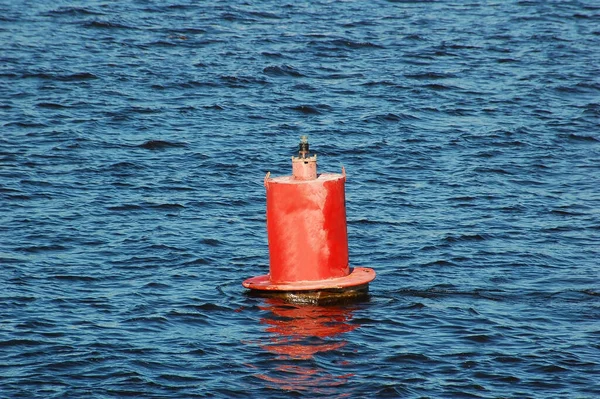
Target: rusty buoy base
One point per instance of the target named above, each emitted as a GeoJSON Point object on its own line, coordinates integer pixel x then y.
{"type": "Point", "coordinates": [350, 288]}
{"type": "Point", "coordinates": [341, 296]}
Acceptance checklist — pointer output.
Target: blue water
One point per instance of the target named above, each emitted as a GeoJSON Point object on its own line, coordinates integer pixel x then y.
{"type": "Point", "coordinates": [135, 136]}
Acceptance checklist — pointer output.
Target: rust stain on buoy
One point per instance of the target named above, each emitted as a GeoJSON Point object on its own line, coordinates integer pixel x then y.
{"type": "Point", "coordinates": [308, 240]}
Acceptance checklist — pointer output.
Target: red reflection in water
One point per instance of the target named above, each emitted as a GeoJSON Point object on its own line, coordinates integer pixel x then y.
{"type": "Point", "coordinates": [298, 378]}
{"type": "Point", "coordinates": [293, 325]}
{"type": "Point", "coordinates": [298, 333]}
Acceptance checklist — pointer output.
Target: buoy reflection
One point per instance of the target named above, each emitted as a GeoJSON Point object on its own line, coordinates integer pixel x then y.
{"type": "Point", "coordinates": [298, 333]}
{"type": "Point", "coordinates": [293, 326]}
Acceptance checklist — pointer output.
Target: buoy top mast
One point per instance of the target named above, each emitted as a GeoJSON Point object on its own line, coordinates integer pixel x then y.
{"type": "Point", "coordinates": [304, 166]}
{"type": "Point", "coordinates": [303, 149]}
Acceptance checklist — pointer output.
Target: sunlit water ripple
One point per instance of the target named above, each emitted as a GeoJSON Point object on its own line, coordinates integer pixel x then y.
{"type": "Point", "coordinates": [135, 138]}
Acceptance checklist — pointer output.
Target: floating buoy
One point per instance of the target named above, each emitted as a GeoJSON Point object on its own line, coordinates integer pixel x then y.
{"type": "Point", "coordinates": [308, 240]}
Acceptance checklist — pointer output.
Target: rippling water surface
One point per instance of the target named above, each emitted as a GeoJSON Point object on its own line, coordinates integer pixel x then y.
{"type": "Point", "coordinates": [135, 138]}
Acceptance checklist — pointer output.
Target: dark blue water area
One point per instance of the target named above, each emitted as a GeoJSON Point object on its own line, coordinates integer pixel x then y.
{"type": "Point", "coordinates": [135, 136]}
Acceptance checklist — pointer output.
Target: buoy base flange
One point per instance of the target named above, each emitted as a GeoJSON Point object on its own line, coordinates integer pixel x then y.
{"type": "Point", "coordinates": [358, 276]}
{"type": "Point", "coordinates": [338, 296]}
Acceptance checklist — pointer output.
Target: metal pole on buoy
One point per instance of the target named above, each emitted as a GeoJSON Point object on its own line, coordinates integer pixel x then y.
{"type": "Point", "coordinates": [307, 234]}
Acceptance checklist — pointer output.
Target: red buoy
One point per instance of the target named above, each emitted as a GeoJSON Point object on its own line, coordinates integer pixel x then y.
{"type": "Point", "coordinates": [306, 227]}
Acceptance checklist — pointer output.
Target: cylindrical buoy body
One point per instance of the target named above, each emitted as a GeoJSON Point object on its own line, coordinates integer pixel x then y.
{"type": "Point", "coordinates": [306, 227]}
{"type": "Point", "coordinates": [308, 241]}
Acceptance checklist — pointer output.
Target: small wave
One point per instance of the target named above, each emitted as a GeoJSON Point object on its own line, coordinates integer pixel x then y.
{"type": "Point", "coordinates": [59, 77]}
{"type": "Point", "coordinates": [148, 319]}
{"type": "Point", "coordinates": [393, 391]}
{"type": "Point", "coordinates": [20, 342]}
{"type": "Point", "coordinates": [211, 242]}
{"type": "Point", "coordinates": [582, 16]}
{"type": "Point", "coordinates": [73, 11]}
{"type": "Point", "coordinates": [282, 70]}
{"type": "Point", "coordinates": [582, 138]}
{"type": "Point", "coordinates": [177, 378]}
{"type": "Point", "coordinates": [35, 324]}
{"type": "Point", "coordinates": [73, 278]}
{"type": "Point", "coordinates": [235, 17]}
{"type": "Point", "coordinates": [37, 183]}
{"type": "Point", "coordinates": [464, 237]}
{"type": "Point", "coordinates": [439, 87]}
{"type": "Point", "coordinates": [43, 248]}
{"type": "Point", "coordinates": [211, 307]}
{"type": "Point", "coordinates": [198, 261]}
{"type": "Point", "coordinates": [125, 207]}
{"type": "Point", "coordinates": [506, 61]}
{"type": "Point", "coordinates": [559, 229]}
{"type": "Point", "coordinates": [167, 206]}
{"type": "Point", "coordinates": [192, 31]}
{"type": "Point", "coordinates": [5, 260]}
{"type": "Point", "coordinates": [355, 45]}
{"type": "Point", "coordinates": [160, 145]}
{"type": "Point", "coordinates": [142, 110]}
{"type": "Point", "coordinates": [566, 212]}
{"type": "Point", "coordinates": [375, 222]}
{"type": "Point", "coordinates": [51, 105]}
{"type": "Point", "coordinates": [242, 81]}
{"type": "Point", "coordinates": [181, 188]}
{"type": "Point", "coordinates": [429, 75]}
{"type": "Point", "coordinates": [163, 247]}
{"type": "Point", "coordinates": [592, 109]}
{"type": "Point", "coordinates": [574, 89]}
{"type": "Point", "coordinates": [355, 24]}
{"type": "Point", "coordinates": [124, 165]}
{"type": "Point", "coordinates": [105, 25]}
{"type": "Point", "coordinates": [135, 207]}
{"type": "Point", "coordinates": [492, 170]}
{"type": "Point", "coordinates": [385, 83]}
{"type": "Point", "coordinates": [265, 14]}
{"type": "Point", "coordinates": [189, 317]}
{"type": "Point", "coordinates": [214, 106]}
{"type": "Point", "coordinates": [190, 84]}
{"type": "Point", "coordinates": [162, 43]}
{"type": "Point", "coordinates": [456, 46]}
{"type": "Point", "coordinates": [156, 285]}
{"type": "Point", "coordinates": [77, 77]}
{"type": "Point", "coordinates": [439, 262]}
{"type": "Point", "coordinates": [310, 109]}
{"type": "Point", "coordinates": [8, 190]}
{"type": "Point", "coordinates": [551, 368]}
{"type": "Point", "coordinates": [443, 290]}
{"type": "Point", "coordinates": [389, 117]}
{"type": "Point", "coordinates": [415, 36]}
{"type": "Point", "coordinates": [305, 87]}
{"type": "Point", "coordinates": [345, 76]}
{"type": "Point", "coordinates": [440, 52]}
{"type": "Point", "coordinates": [271, 55]}
{"type": "Point", "coordinates": [588, 85]}
{"type": "Point", "coordinates": [418, 358]}
{"type": "Point", "coordinates": [479, 338]}
{"type": "Point", "coordinates": [591, 292]}
{"type": "Point", "coordinates": [463, 198]}
{"type": "Point", "coordinates": [508, 359]}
